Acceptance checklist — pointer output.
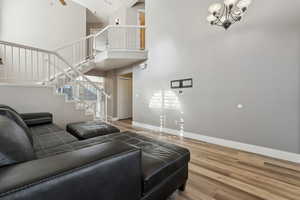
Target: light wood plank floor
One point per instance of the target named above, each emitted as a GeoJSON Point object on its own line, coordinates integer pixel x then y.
{"type": "Point", "coordinates": [221, 173]}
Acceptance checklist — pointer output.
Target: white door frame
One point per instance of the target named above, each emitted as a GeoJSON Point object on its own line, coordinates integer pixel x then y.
{"type": "Point", "coordinates": [118, 93]}
{"type": "Point", "coordinates": [138, 24]}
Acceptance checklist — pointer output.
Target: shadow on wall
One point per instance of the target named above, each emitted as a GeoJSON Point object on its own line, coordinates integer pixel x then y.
{"type": "Point", "coordinates": [167, 101]}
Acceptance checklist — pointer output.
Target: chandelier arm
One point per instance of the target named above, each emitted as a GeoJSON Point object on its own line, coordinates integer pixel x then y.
{"type": "Point", "coordinates": [233, 22]}
{"type": "Point", "coordinates": [217, 24]}
{"type": "Point", "coordinates": [234, 17]}
{"type": "Point", "coordinates": [228, 12]}
{"type": "Point", "coordinates": [224, 10]}
{"type": "Point", "coordinates": [219, 20]}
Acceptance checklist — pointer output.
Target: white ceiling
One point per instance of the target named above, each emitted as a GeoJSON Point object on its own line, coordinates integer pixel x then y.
{"type": "Point", "coordinates": [100, 10]}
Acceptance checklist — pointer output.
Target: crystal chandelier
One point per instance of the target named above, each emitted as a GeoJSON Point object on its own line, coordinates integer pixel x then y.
{"type": "Point", "coordinates": [228, 13]}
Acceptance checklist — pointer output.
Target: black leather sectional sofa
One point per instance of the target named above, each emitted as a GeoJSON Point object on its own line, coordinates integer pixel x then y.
{"type": "Point", "coordinates": [41, 161]}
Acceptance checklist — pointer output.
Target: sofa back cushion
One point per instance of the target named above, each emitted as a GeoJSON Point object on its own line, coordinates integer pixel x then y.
{"type": "Point", "coordinates": [8, 108]}
{"type": "Point", "coordinates": [14, 115]}
{"type": "Point", "coordinates": [15, 146]}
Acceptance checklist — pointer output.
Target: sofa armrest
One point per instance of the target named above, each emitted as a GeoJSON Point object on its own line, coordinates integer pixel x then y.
{"type": "Point", "coordinates": [33, 119]}
{"type": "Point", "coordinates": [107, 171]}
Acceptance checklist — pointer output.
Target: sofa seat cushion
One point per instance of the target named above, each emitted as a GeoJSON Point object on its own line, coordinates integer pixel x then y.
{"type": "Point", "coordinates": [48, 136]}
{"type": "Point", "coordinates": [159, 159]}
{"type": "Point", "coordinates": [72, 146]}
{"type": "Point", "coordinates": [86, 130]}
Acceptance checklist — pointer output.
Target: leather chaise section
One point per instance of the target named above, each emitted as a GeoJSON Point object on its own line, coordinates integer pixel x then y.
{"type": "Point", "coordinates": [159, 159]}
{"type": "Point", "coordinates": [166, 187]}
{"type": "Point", "coordinates": [109, 171]}
{"type": "Point", "coordinates": [115, 166]}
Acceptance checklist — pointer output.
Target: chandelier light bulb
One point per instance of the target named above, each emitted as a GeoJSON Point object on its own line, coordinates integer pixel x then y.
{"type": "Point", "coordinates": [211, 18]}
{"type": "Point", "coordinates": [238, 12]}
{"type": "Point", "coordinates": [244, 4]}
{"type": "Point", "coordinates": [230, 2]}
{"type": "Point", "coordinates": [215, 8]}
{"type": "Point", "coordinates": [223, 19]}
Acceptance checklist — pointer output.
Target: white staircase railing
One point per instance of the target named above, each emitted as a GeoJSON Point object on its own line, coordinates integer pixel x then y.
{"type": "Point", "coordinates": [25, 64]}
{"type": "Point", "coordinates": [78, 51]}
{"type": "Point", "coordinates": [62, 67]}
{"type": "Point", "coordinates": [22, 63]}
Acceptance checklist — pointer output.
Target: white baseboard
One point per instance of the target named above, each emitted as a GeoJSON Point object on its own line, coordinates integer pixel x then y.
{"type": "Point", "coordinates": [114, 119]}
{"type": "Point", "coordinates": [283, 155]}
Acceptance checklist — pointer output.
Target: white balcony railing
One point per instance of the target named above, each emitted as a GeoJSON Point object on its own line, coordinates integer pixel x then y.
{"type": "Point", "coordinates": [118, 37]}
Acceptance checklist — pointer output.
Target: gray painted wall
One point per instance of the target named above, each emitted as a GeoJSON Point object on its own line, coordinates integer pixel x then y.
{"type": "Point", "coordinates": [42, 24]}
{"type": "Point", "coordinates": [255, 63]}
{"type": "Point", "coordinates": [28, 99]}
